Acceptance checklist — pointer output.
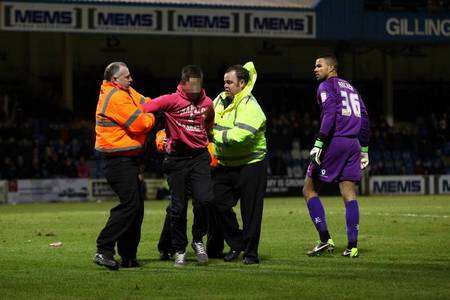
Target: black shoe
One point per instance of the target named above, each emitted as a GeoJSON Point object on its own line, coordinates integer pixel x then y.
{"type": "Point", "coordinates": [165, 255]}
{"type": "Point", "coordinates": [129, 263]}
{"type": "Point", "coordinates": [106, 261]}
{"type": "Point", "coordinates": [232, 255]}
{"type": "Point", "coordinates": [250, 260]}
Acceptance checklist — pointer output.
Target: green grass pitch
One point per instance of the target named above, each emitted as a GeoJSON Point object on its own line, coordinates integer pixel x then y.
{"type": "Point", "coordinates": [404, 253]}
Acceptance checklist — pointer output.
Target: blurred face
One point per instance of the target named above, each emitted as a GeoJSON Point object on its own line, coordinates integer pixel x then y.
{"type": "Point", "coordinates": [192, 88]}
{"type": "Point", "coordinates": [323, 70]}
{"type": "Point", "coordinates": [123, 78]}
{"type": "Point", "coordinates": [232, 85]}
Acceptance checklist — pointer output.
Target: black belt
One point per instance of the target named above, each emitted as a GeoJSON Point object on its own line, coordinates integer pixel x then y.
{"type": "Point", "coordinates": [109, 156]}
{"type": "Point", "coordinates": [187, 152]}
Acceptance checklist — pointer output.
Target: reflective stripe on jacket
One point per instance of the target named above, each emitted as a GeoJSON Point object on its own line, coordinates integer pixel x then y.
{"type": "Point", "coordinates": [239, 130]}
{"type": "Point", "coordinates": [121, 126]}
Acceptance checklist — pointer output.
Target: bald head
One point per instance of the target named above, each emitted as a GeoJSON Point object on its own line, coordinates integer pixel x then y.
{"type": "Point", "coordinates": [118, 73]}
{"type": "Point", "coordinates": [112, 70]}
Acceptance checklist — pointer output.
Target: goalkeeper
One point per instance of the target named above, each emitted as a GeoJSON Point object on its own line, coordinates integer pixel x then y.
{"type": "Point", "coordinates": [339, 153]}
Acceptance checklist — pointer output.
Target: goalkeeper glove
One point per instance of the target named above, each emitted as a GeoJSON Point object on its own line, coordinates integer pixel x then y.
{"type": "Point", "coordinates": [364, 157]}
{"type": "Point", "coordinates": [314, 155]}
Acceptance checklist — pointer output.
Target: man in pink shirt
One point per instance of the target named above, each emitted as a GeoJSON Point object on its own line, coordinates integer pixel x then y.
{"type": "Point", "coordinates": [189, 116]}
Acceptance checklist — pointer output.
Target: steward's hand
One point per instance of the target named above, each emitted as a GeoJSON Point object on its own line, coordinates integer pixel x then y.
{"type": "Point", "coordinates": [214, 160]}
{"type": "Point", "coordinates": [161, 140]}
{"type": "Point", "coordinates": [364, 157]}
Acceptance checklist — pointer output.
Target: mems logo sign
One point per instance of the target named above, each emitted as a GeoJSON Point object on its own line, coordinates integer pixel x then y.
{"type": "Point", "coordinates": [397, 185]}
{"type": "Point", "coordinates": [146, 19]}
{"type": "Point", "coordinates": [285, 24]}
{"type": "Point", "coordinates": [203, 22]}
{"type": "Point", "coordinates": [131, 20]}
{"type": "Point", "coordinates": [45, 17]}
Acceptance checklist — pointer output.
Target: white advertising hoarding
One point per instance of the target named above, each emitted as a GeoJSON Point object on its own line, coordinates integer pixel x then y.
{"type": "Point", "coordinates": [3, 190]}
{"type": "Point", "coordinates": [47, 190]}
{"type": "Point", "coordinates": [100, 189]}
{"type": "Point", "coordinates": [444, 184]}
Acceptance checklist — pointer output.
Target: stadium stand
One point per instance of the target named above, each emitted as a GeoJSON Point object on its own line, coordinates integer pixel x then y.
{"type": "Point", "coordinates": [33, 147]}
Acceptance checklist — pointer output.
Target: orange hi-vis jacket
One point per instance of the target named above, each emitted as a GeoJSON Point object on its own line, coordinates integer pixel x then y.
{"type": "Point", "coordinates": [120, 123]}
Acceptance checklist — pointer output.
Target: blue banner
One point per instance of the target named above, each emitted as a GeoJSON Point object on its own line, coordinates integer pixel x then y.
{"type": "Point", "coordinates": [406, 27]}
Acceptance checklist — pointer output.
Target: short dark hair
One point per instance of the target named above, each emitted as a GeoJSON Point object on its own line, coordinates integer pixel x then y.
{"type": "Point", "coordinates": [241, 72]}
{"type": "Point", "coordinates": [112, 70]}
{"type": "Point", "coordinates": [331, 60]}
{"type": "Point", "coordinates": [191, 71]}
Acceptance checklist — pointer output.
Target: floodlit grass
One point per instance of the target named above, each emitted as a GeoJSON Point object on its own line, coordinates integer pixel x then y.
{"type": "Point", "coordinates": [404, 253]}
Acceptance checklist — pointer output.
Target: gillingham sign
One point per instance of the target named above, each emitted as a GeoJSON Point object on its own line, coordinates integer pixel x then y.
{"type": "Point", "coordinates": [24, 16]}
{"type": "Point", "coordinates": [284, 186]}
{"type": "Point", "coordinates": [418, 27]}
{"type": "Point", "coordinates": [392, 26]}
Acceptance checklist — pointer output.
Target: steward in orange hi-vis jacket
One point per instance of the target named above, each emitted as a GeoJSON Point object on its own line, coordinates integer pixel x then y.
{"type": "Point", "coordinates": [121, 125]}
{"type": "Point", "coordinates": [121, 129]}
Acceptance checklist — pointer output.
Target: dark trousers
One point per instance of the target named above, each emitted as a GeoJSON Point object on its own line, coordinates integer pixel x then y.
{"type": "Point", "coordinates": [124, 224]}
{"type": "Point", "coordinates": [230, 184]}
{"type": "Point", "coordinates": [165, 239]}
{"type": "Point", "coordinates": [188, 174]}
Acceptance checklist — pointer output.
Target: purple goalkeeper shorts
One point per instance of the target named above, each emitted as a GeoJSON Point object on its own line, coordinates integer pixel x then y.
{"type": "Point", "coordinates": [340, 161]}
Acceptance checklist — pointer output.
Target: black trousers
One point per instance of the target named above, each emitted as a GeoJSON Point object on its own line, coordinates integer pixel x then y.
{"type": "Point", "coordinates": [165, 239]}
{"type": "Point", "coordinates": [188, 174]}
{"type": "Point", "coordinates": [124, 224]}
{"type": "Point", "coordinates": [245, 183]}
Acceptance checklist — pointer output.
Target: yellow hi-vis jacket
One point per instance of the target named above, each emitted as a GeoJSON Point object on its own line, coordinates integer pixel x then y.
{"type": "Point", "coordinates": [121, 125]}
{"type": "Point", "coordinates": [239, 129]}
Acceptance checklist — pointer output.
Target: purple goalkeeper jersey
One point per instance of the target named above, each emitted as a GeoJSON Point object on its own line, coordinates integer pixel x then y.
{"type": "Point", "coordinates": [343, 113]}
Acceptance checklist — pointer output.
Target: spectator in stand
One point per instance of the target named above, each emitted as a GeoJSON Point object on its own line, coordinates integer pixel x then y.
{"type": "Point", "coordinates": [83, 170]}
{"type": "Point", "coordinates": [69, 169]}
{"type": "Point", "coordinates": [37, 170]}
{"type": "Point", "coordinates": [22, 168]}
{"type": "Point", "coordinates": [9, 169]}
{"type": "Point", "coordinates": [54, 166]}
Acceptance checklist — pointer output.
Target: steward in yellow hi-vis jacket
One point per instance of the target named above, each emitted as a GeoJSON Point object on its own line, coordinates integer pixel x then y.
{"type": "Point", "coordinates": [240, 147]}
{"type": "Point", "coordinates": [121, 129]}
{"type": "Point", "coordinates": [239, 129]}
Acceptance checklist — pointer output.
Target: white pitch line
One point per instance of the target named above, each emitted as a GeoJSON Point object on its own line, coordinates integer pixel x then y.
{"type": "Point", "coordinates": [411, 215]}
{"type": "Point", "coordinates": [328, 213]}
{"type": "Point", "coordinates": [403, 215]}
